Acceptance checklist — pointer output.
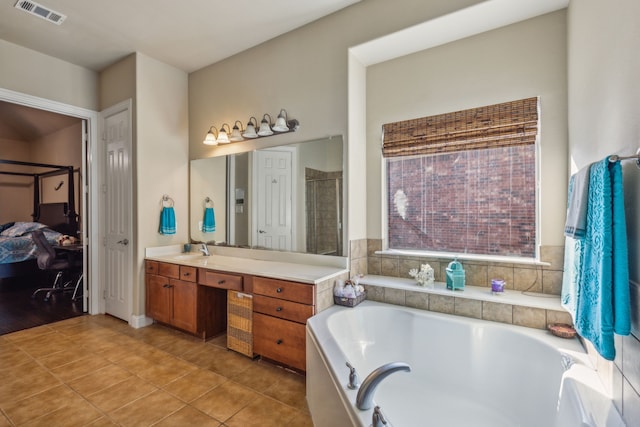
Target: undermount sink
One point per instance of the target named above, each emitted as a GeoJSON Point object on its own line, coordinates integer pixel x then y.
{"type": "Point", "coordinates": [187, 256]}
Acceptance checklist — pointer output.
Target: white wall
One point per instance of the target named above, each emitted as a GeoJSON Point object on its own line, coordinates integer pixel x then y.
{"type": "Point", "coordinates": [604, 118]}
{"type": "Point", "coordinates": [522, 60]}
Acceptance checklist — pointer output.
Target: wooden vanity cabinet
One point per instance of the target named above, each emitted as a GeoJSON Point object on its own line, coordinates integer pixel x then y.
{"type": "Point", "coordinates": [173, 297]}
{"type": "Point", "coordinates": [280, 312]}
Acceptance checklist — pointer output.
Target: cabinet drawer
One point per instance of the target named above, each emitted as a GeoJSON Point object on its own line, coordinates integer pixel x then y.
{"type": "Point", "coordinates": [188, 274]}
{"type": "Point", "coordinates": [279, 340]}
{"type": "Point", "coordinates": [151, 267]}
{"type": "Point", "coordinates": [291, 291]}
{"type": "Point", "coordinates": [221, 280]}
{"type": "Point", "coordinates": [169, 270]}
{"type": "Point", "coordinates": [284, 309]}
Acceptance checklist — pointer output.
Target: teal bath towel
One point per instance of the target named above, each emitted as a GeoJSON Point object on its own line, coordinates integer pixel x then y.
{"type": "Point", "coordinates": [209, 221]}
{"type": "Point", "coordinates": [167, 220]}
{"type": "Point", "coordinates": [597, 267]}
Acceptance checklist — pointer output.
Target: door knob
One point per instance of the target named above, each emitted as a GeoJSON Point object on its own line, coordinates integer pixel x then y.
{"type": "Point", "coordinates": [261, 231]}
{"type": "Point", "coordinates": [124, 242]}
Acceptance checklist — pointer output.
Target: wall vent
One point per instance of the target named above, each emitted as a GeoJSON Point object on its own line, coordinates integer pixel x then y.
{"type": "Point", "coordinates": [40, 11]}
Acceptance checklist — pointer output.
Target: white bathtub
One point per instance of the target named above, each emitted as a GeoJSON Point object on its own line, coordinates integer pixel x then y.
{"type": "Point", "coordinates": [465, 372]}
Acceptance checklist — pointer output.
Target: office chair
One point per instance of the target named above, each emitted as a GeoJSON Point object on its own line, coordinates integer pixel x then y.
{"type": "Point", "coordinates": [49, 261]}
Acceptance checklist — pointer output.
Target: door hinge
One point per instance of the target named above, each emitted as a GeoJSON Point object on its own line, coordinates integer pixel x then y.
{"type": "Point", "coordinates": [104, 294]}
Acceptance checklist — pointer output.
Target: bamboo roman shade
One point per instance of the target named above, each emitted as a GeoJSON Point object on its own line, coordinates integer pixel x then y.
{"type": "Point", "coordinates": [507, 124]}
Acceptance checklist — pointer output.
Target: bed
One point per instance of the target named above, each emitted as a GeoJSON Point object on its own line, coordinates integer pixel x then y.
{"type": "Point", "coordinates": [17, 251]}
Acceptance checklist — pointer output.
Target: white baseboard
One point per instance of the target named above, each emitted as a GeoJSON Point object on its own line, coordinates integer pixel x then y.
{"type": "Point", "coordinates": [140, 321]}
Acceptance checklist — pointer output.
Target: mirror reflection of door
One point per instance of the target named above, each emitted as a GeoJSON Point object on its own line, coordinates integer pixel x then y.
{"type": "Point", "coordinates": [273, 184]}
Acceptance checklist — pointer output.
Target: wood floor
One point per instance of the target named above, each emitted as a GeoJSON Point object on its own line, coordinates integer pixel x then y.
{"type": "Point", "coordinates": [19, 311]}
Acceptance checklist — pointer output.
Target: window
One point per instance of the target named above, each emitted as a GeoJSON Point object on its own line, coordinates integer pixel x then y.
{"type": "Point", "coordinates": [464, 182]}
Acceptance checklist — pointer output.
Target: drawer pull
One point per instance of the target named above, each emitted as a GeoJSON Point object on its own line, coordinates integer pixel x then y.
{"type": "Point", "coordinates": [279, 290]}
{"type": "Point", "coordinates": [185, 274]}
{"type": "Point", "coordinates": [279, 342]}
{"type": "Point", "coordinates": [278, 308]}
{"type": "Point", "coordinates": [221, 282]}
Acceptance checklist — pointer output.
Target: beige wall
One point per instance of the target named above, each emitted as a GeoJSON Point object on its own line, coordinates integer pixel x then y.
{"type": "Point", "coordinates": [160, 150]}
{"type": "Point", "coordinates": [15, 188]}
{"type": "Point", "coordinates": [604, 118]}
{"type": "Point", "coordinates": [162, 162]}
{"type": "Point", "coordinates": [514, 62]}
{"type": "Point", "coordinates": [33, 73]}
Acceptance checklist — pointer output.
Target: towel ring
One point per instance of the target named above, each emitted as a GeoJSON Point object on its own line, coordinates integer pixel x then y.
{"type": "Point", "coordinates": [208, 200]}
{"type": "Point", "coordinates": [167, 201]}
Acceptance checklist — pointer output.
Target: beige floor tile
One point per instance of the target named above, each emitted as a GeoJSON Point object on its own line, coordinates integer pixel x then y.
{"type": "Point", "coordinates": [77, 414]}
{"type": "Point", "coordinates": [291, 390]}
{"type": "Point", "coordinates": [27, 385]}
{"type": "Point", "coordinates": [262, 412]}
{"type": "Point", "coordinates": [29, 334]}
{"type": "Point", "coordinates": [147, 410]}
{"type": "Point", "coordinates": [120, 394]}
{"type": "Point", "coordinates": [102, 422]}
{"type": "Point", "coordinates": [80, 368]}
{"type": "Point", "coordinates": [99, 380]}
{"type": "Point", "coordinates": [194, 384]}
{"type": "Point", "coordinates": [21, 411]}
{"type": "Point", "coordinates": [188, 416]}
{"type": "Point", "coordinates": [165, 371]}
{"type": "Point", "coordinates": [64, 357]}
{"type": "Point", "coordinates": [301, 419]}
{"type": "Point", "coordinates": [260, 376]}
{"type": "Point", "coordinates": [4, 422]}
{"type": "Point", "coordinates": [221, 361]}
{"type": "Point", "coordinates": [11, 355]}
{"type": "Point", "coordinates": [225, 400]}
{"type": "Point", "coordinates": [46, 345]}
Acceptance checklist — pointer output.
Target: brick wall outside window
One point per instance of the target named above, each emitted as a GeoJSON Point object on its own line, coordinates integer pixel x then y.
{"type": "Point", "coordinates": [478, 202]}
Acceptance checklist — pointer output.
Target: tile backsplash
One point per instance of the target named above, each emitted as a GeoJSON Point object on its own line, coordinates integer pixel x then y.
{"type": "Point", "coordinates": [521, 277]}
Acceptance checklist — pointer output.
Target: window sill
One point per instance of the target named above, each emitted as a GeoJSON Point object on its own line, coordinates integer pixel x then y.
{"type": "Point", "coordinates": [479, 293]}
{"type": "Point", "coordinates": [463, 257]}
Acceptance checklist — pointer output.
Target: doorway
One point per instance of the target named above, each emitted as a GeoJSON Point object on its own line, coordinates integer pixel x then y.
{"type": "Point", "coordinates": [87, 181]}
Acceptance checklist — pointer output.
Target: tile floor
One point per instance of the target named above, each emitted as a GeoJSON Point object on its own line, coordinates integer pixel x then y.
{"type": "Point", "coordinates": [98, 371]}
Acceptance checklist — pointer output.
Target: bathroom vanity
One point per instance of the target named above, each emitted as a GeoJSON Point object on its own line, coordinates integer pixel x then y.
{"type": "Point", "coordinates": [189, 292]}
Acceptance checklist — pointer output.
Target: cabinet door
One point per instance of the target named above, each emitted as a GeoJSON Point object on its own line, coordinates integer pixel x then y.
{"type": "Point", "coordinates": [185, 296]}
{"type": "Point", "coordinates": [158, 298]}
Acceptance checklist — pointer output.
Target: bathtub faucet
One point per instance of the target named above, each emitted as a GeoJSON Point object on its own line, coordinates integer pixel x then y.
{"type": "Point", "coordinates": [364, 399]}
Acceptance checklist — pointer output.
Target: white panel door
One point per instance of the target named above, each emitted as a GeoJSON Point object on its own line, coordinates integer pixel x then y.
{"type": "Point", "coordinates": [273, 194]}
{"type": "Point", "coordinates": [118, 212]}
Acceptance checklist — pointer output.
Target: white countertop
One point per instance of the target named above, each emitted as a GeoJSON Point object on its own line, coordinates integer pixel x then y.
{"type": "Point", "coordinates": [304, 273]}
{"type": "Point", "coordinates": [509, 296]}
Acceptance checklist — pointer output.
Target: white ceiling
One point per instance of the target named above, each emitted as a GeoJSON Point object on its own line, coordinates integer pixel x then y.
{"type": "Point", "coordinates": [186, 34]}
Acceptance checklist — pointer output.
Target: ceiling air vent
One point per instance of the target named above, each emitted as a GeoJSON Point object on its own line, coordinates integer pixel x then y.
{"type": "Point", "coordinates": [40, 11]}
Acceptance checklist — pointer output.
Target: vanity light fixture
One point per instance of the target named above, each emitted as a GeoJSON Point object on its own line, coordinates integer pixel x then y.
{"type": "Point", "coordinates": [265, 126]}
{"type": "Point", "coordinates": [281, 122]}
{"type": "Point", "coordinates": [210, 139]}
{"type": "Point", "coordinates": [226, 134]}
{"type": "Point", "coordinates": [251, 128]}
{"type": "Point", "coordinates": [236, 132]}
{"type": "Point", "coordinates": [223, 135]}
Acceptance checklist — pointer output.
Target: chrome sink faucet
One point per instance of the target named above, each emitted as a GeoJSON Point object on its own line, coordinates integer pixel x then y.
{"type": "Point", "coordinates": [364, 399]}
{"type": "Point", "coordinates": [205, 250]}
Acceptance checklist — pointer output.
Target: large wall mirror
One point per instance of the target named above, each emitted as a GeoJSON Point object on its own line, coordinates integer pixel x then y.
{"type": "Point", "coordinates": [286, 198]}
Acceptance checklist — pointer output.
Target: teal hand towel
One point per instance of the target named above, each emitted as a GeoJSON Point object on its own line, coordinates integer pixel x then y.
{"type": "Point", "coordinates": [602, 303]}
{"type": "Point", "coordinates": [209, 221]}
{"type": "Point", "coordinates": [167, 220]}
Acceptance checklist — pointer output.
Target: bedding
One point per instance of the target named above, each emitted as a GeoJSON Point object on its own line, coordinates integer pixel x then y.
{"type": "Point", "coordinates": [16, 244]}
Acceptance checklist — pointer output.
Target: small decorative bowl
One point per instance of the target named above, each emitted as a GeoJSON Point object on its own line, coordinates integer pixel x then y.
{"type": "Point", "coordinates": [562, 330]}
